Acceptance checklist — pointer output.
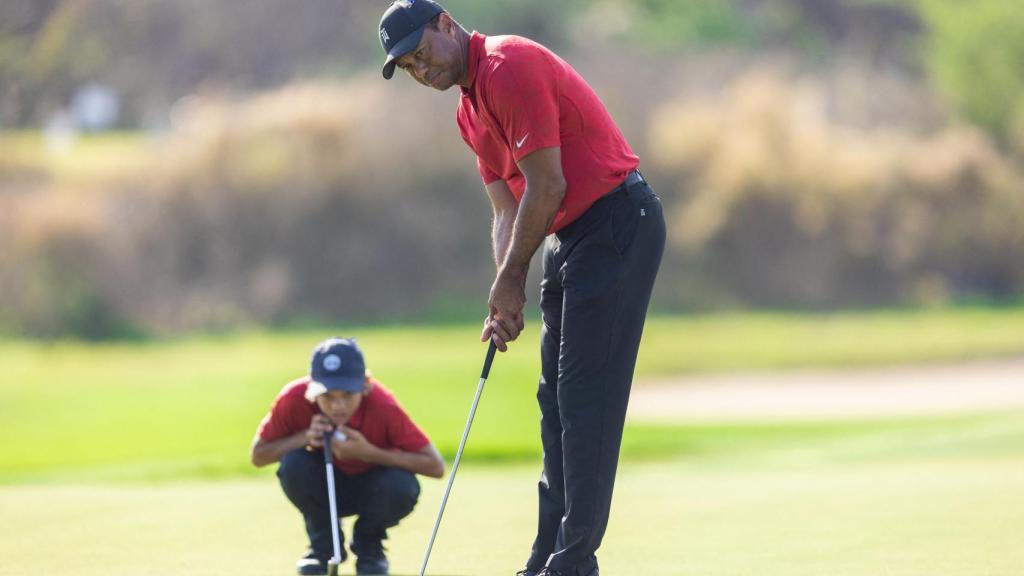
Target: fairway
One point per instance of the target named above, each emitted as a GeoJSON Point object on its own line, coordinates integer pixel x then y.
{"type": "Point", "coordinates": [111, 483]}
{"type": "Point", "coordinates": [222, 385]}
{"type": "Point", "coordinates": [927, 517]}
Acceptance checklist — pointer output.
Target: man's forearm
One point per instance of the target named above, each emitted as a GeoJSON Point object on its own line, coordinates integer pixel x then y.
{"type": "Point", "coordinates": [501, 232]}
{"type": "Point", "coordinates": [537, 210]}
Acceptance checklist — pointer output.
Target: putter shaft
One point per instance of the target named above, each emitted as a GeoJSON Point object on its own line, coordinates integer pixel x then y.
{"type": "Point", "coordinates": [458, 455]}
{"type": "Point", "coordinates": [332, 564]}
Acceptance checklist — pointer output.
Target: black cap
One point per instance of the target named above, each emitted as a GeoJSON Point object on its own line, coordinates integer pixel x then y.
{"type": "Point", "coordinates": [401, 28]}
{"type": "Point", "coordinates": [337, 364]}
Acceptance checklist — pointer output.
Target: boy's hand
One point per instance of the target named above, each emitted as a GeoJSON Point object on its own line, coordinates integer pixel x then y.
{"type": "Point", "coordinates": [355, 447]}
{"type": "Point", "coordinates": [317, 428]}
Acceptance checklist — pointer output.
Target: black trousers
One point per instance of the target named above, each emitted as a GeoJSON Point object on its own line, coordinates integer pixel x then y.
{"type": "Point", "coordinates": [598, 275]}
{"type": "Point", "coordinates": [380, 498]}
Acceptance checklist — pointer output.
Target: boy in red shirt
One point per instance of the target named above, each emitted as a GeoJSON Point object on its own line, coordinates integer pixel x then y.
{"type": "Point", "coordinates": [378, 451]}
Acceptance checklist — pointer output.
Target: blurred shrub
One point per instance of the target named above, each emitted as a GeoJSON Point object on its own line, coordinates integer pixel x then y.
{"type": "Point", "coordinates": [667, 24]}
{"type": "Point", "coordinates": [53, 269]}
{"type": "Point", "coordinates": [153, 51]}
{"type": "Point", "coordinates": [285, 207]}
{"type": "Point", "coordinates": [358, 202]}
{"type": "Point", "coordinates": [780, 206]}
{"type": "Point", "coordinates": [975, 51]}
{"type": "Point", "coordinates": [542, 20]}
{"type": "Point", "coordinates": [817, 29]}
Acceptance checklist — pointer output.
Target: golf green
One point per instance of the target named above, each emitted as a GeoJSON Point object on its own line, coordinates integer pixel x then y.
{"type": "Point", "coordinates": [945, 516]}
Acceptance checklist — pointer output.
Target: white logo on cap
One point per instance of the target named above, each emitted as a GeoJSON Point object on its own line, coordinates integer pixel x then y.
{"type": "Point", "coordinates": [332, 362]}
{"type": "Point", "coordinates": [384, 36]}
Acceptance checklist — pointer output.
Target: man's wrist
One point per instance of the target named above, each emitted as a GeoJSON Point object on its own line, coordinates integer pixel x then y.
{"type": "Point", "coordinates": [514, 270]}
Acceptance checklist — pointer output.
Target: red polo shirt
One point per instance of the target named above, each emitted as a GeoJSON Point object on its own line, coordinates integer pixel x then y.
{"type": "Point", "coordinates": [380, 418]}
{"type": "Point", "coordinates": [522, 97]}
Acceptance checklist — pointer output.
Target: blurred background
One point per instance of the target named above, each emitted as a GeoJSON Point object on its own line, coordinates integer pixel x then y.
{"type": "Point", "coordinates": [174, 166]}
{"type": "Point", "coordinates": [194, 192]}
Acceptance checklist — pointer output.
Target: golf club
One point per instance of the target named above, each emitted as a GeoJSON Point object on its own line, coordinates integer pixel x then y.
{"type": "Point", "coordinates": [332, 564]}
{"type": "Point", "coordinates": [458, 455]}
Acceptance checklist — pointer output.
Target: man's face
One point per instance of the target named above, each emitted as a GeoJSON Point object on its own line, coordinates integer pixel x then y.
{"type": "Point", "coordinates": [437, 60]}
{"type": "Point", "coordinates": [339, 405]}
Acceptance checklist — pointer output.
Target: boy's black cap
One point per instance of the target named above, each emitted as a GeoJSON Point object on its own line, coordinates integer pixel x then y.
{"type": "Point", "coordinates": [401, 28]}
{"type": "Point", "coordinates": [337, 364]}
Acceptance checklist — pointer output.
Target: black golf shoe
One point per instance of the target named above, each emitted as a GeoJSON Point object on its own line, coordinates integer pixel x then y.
{"type": "Point", "coordinates": [370, 558]}
{"type": "Point", "coordinates": [552, 572]}
{"type": "Point", "coordinates": [312, 564]}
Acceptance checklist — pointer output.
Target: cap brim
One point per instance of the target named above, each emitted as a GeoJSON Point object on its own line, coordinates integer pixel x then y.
{"type": "Point", "coordinates": [346, 384]}
{"type": "Point", "coordinates": [404, 46]}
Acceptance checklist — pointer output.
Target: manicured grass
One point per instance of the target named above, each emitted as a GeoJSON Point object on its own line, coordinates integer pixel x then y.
{"type": "Point", "coordinates": [948, 516]}
{"type": "Point", "coordinates": [189, 407]}
{"type": "Point", "coordinates": [125, 458]}
{"type": "Point", "coordinates": [780, 341]}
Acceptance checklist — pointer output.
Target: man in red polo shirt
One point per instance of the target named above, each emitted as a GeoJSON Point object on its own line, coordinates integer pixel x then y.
{"type": "Point", "coordinates": [378, 451]}
{"type": "Point", "coordinates": [554, 165]}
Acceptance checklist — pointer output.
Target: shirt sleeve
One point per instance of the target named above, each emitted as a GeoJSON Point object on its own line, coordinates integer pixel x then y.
{"type": "Point", "coordinates": [486, 174]}
{"type": "Point", "coordinates": [282, 419]}
{"type": "Point", "coordinates": [403, 433]}
{"type": "Point", "coordinates": [524, 98]}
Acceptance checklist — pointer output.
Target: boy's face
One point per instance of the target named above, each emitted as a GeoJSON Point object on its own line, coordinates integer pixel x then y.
{"type": "Point", "coordinates": [339, 405]}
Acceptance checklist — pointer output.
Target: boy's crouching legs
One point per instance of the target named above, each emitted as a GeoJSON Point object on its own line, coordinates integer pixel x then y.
{"type": "Point", "coordinates": [386, 496]}
{"type": "Point", "coordinates": [302, 478]}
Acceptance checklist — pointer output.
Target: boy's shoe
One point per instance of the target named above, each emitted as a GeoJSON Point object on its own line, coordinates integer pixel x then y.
{"type": "Point", "coordinates": [370, 558]}
{"type": "Point", "coordinates": [312, 564]}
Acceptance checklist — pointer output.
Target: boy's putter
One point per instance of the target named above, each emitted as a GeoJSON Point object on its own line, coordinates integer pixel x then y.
{"type": "Point", "coordinates": [332, 564]}
{"type": "Point", "coordinates": [458, 455]}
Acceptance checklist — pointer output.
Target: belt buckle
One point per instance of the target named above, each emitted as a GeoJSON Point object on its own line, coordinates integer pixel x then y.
{"type": "Point", "coordinates": [633, 178]}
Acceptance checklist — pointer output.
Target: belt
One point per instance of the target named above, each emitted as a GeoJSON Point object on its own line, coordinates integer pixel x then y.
{"type": "Point", "coordinates": [633, 178]}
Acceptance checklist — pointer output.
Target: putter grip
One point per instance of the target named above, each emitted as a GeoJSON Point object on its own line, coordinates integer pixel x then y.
{"type": "Point", "coordinates": [328, 455]}
{"type": "Point", "coordinates": [491, 349]}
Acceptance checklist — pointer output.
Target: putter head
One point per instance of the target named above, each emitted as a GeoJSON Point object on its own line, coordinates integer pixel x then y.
{"type": "Point", "coordinates": [332, 567]}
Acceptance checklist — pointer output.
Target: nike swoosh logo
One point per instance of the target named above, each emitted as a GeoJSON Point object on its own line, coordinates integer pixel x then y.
{"type": "Point", "coordinates": [519, 144]}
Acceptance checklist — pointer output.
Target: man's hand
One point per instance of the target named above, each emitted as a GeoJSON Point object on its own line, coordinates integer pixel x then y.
{"type": "Point", "coordinates": [545, 190]}
{"type": "Point", "coordinates": [354, 447]}
{"type": "Point", "coordinates": [317, 428]}
{"type": "Point", "coordinates": [506, 302]}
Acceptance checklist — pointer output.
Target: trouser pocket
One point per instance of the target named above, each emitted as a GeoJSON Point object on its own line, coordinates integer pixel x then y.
{"type": "Point", "coordinates": [627, 214]}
